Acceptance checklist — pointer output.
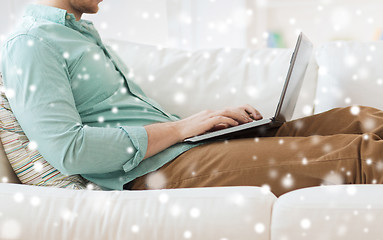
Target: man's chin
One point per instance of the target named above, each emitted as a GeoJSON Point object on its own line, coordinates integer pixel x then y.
{"type": "Point", "coordinates": [93, 11]}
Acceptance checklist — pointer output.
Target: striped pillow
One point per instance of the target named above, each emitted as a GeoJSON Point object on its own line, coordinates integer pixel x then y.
{"type": "Point", "coordinates": [28, 164]}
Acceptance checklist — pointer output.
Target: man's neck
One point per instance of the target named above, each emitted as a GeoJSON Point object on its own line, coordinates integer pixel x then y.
{"type": "Point", "coordinates": [63, 4]}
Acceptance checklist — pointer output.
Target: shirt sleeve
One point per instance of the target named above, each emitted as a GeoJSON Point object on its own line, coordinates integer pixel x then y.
{"type": "Point", "coordinates": [37, 84]}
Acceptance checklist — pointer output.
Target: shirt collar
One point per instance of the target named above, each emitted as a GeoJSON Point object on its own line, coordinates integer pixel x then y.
{"type": "Point", "coordinates": [49, 13]}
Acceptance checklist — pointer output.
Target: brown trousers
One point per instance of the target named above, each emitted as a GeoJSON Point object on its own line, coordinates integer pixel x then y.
{"type": "Point", "coordinates": [340, 146]}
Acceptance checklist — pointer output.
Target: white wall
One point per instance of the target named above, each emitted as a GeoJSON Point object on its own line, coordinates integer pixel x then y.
{"type": "Point", "coordinates": [142, 21]}
{"type": "Point", "coordinates": [325, 20]}
{"type": "Point", "coordinates": [10, 12]}
{"type": "Point", "coordinates": [134, 20]}
{"type": "Point", "coordinates": [243, 23]}
{"type": "Point", "coordinates": [197, 24]}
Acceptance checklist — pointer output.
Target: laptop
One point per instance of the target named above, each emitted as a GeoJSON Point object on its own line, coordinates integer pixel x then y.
{"type": "Point", "coordinates": [286, 105]}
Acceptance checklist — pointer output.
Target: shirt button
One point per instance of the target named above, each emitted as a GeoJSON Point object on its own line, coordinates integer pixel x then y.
{"type": "Point", "coordinates": [68, 17]}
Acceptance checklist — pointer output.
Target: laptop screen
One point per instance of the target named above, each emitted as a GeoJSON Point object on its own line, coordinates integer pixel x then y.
{"type": "Point", "coordinates": [298, 65]}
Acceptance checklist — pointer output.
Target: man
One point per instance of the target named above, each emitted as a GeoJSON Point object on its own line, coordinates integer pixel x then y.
{"type": "Point", "coordinates": [73, 97]}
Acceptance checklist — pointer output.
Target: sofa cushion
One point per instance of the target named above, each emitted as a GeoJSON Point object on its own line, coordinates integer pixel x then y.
{"type": "Point", "coordinates": [329, 212]}
{"type": "Point", "coordinates": [350, 73]}
{"type": "Point", "coordinates": [194, 213]}
{"type": "Point", "coordinates": [28, 164]}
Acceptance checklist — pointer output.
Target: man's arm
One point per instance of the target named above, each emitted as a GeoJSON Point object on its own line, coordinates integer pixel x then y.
{"type": "Point", "coordinates": [49, 117]}
{"type": "Point", "coordinates": [44, 105]}
{"type": "Point", "coordinates": [164, 135]}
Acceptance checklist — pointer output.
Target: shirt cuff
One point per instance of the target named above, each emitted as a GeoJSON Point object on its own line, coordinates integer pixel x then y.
{"type": "Point", "coordinates": [139, 139]}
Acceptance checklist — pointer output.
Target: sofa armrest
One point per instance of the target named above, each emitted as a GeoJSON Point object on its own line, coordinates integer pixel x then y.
{"type": "Point", "coordinates": [197, 213]}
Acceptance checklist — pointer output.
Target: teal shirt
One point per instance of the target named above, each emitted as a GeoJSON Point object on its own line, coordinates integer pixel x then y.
{"type": "Point", "coordinates": [72, 95]}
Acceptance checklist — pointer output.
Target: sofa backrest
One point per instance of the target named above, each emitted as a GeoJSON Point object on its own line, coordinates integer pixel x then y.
{"type": "Point", "coordinates": [185, 82]}
{"type": "Point", "coordinates": [350, 73]}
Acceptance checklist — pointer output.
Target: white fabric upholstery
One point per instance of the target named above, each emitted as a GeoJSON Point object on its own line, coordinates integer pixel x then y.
{"type": "Point", "coordinates": [350, 73]}
{"type": "Point", "coordinates": [194, 80]}
{"type": "Point", "coordinates": [199, 213]}
{"type": "Point", "coordinates": [185, 82]}
{"type": "Point", "coordinates": [331, 212]}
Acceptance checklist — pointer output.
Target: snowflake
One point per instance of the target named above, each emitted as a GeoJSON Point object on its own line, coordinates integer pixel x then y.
{"type": "Point", "coordinates": [96, 56]}
{"type": "Point", "coordinates": [252, 91]}
{"type": "Point", "coordinates": [175, 210]}
{"type": "Point", "coordinates": [123, 90]}
{"type": "Point", "coordinates": [238, 199]}
{"type": "Point", "coordinates": [187, 234]}
{"type": "Point", "coordinates": [135, 228]}
{"type": "Point", "coordinates": [307, 110]}
{"type": "Point", "coordinates": [104, 25]}
{"type": "Point", "coordinates": [342, 229]}
{"type": "Point", "coordinates": [333, 178]}
{"type": "Point", "coordinates": [379, 166]}
{"type": "Point", "coordinates": [68, 215]}
{"type": "Point", "coordinates": [32, 145]}
{"type": "Point", "coordinates": [66, 55]}
{"type": "Point", "coordinates": [273, 173]}
{"type": "Point", "coordinates": [30, 43]}
{"type": "Point", "coordinates": [38, 166]}
{"type": "Point", "coordinates": [365, 137]}
{"type": "Point", "coordinates": [35, 201]}
{"type": "Point", "coordinates": [180, 98]}
{"type": "Point", "coordinates": [151, 78]}
{"type": "Point", "coordinates": [327, 148]}
{"type": "Point", "coordinates": [305, 223]}
{"type": "Point", "coordinates": [259, 228]}
{"type": "Point", "coordinates": [114, 110]}
{"type": "Point", "coordinates": [179, 80]}
{"type": "Point", "coordinates": [322, 71]}
{"type": "Point", "coordinates": [369, 124]}
{"type": "Point", "coordinates": [287, 181]}
{"type": "Point", "coordinates": [10, 229]}
{"type": "Point", "coordinates": [195, 212]}
{"type": "Point", "coordinates": [130, 150]}
{"type": "Point", "coordinates": [265, 189]}
{"type": "Point", "coordinates": [351, 190]}
{"type": "Point", "coordinates": [350, 60]}
{"type": "Point", "coordinates": [369, 161]}
{"type": "Point", "coordinates": [19, 71]}
{"type": "Point", "coordinates": [355, 110]}
{"type": "Point", "coordinates": [156, 180]}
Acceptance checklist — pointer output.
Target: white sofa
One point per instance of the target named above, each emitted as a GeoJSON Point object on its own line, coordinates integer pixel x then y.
{"type": "Point", "coordinates": [340, 74]}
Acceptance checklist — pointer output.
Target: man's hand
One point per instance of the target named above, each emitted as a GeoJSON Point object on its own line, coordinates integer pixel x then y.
{"type": "Point", "coordinates": [164, 135]}
{"type": "Point", "coordinates": [215, 120]}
